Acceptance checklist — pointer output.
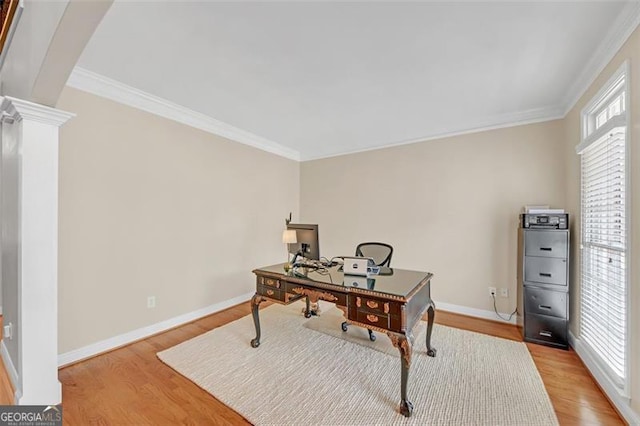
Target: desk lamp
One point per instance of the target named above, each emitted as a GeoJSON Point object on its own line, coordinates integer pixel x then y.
{"type": "Point", "coordinates": [289, 236]}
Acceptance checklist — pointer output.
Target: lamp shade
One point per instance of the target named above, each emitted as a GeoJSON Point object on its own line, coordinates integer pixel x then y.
{"type": "Point", "coordinates": [289, 236]}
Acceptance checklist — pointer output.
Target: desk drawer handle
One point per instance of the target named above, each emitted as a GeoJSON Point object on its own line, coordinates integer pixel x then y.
{"type": "Point", "coordinates": [544, 307]}
{"type": "Point", "coordinates": [372, 318]}
{"type": "Point", "coordinates": [270, 292]}
{"type": "Point", "coordinates": [546, 248]}
{"type": "Point", "coordinates": [272, 283]}
{"type": "Point", "coordinates": [545, 333]}
{"type": "Point", "coordinates": [371, 304]}
{"type": "Point", "coordinates": [544, 274]}
{"type": "Point", "coordinates": [386, 308]}
{"type": "Point", "coordinates": [358, 302]}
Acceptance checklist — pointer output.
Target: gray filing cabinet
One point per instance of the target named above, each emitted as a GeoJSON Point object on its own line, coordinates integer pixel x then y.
{"type": "Point", "coordinates": [543, 284]}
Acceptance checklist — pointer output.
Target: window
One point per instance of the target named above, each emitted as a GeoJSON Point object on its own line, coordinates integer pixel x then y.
{"type": "Point", "coordinates": [603, 278]}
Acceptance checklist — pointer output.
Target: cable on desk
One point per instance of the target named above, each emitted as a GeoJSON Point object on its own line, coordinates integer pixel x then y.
{"type": "Point", "coordinates": [325, 272]}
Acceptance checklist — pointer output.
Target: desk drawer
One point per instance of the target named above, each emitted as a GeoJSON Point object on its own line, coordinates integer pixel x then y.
{"type": "Point", "coordinates": [271, 282]}
{"type": "Point", "coordinates": [318, 294]}
{"type": "Point", "coordinates": [377, 306]}
{"type": "Point", "coordinates": [271, 292]}
{"type": "Point", "coordinates": [378, 320]}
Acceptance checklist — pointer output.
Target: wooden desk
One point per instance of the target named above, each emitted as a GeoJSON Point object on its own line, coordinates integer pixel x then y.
{"type": "Point", "coordinates": [392, 303]}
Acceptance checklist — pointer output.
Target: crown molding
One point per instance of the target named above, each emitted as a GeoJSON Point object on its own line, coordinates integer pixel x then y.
{"type": "Point", "coordinates": [19, 109]}
{"type": "Point", "coordinates": [99, 85]}
{"type": "Point", "coordinates": [105, 87]}
{"type": "Point", "coordinates": [495, 122]}
{"type": "Point", "coordinates": [621, 29]}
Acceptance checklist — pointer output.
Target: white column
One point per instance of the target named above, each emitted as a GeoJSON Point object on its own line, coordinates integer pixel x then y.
{"type": "Point", "coordinates": [30, 248]}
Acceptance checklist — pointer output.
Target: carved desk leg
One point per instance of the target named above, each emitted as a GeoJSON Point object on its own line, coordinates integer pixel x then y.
{"type": "Point", "coordinates": [431, 311]}
{"type": "Point", "coordinates": [255, 304]}
{"type": "Point", "coordinates": [403, 343]}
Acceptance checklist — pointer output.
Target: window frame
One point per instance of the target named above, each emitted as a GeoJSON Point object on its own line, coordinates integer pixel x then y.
{"type": "Point", "coordinates": [589, 135]}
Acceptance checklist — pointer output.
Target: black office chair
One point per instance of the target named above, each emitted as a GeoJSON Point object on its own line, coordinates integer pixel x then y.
{"type": "Point", "coordinates": [381, 254]}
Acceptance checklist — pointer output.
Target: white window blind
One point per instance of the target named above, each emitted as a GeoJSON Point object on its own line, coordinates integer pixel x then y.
{"type": "Point", "coordinates": [603, 298]}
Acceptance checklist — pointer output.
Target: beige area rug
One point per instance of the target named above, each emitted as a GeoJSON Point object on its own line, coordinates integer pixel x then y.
{"type": "Point", "coordinates": [307, 371]}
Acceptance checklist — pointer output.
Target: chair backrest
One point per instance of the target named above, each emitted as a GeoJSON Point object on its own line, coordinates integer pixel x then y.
{"type": "Point", "coordinates": [380, 252]}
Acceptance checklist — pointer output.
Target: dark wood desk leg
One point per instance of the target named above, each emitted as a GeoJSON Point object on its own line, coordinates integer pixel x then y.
{"type": "Point", "coordinates": [255, 304]}
{"type": "Point", "coordinates": [404, 346]}
{"type": "Point", "coordinates": [431, 311]}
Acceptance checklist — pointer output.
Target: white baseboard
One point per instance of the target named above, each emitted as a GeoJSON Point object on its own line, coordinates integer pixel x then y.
{"type": "Point", "coordinates": [141, 333]}
{"type": "Point", "coordinates": [473, 312]}
{"type": "Point", "coordinates": [619, 401]}
{"type": "Point", "coordinates": [11, 371]}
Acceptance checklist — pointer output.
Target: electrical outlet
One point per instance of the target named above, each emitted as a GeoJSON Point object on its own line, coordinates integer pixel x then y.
{"type": "Point", "coordinates": [151, 302]}
{"type": "Point", "coordinates": [8, 331]}
{"type": "Point", "coordinates": [504, 292]}
{"type": "Point", "coordinates": [492, 291]}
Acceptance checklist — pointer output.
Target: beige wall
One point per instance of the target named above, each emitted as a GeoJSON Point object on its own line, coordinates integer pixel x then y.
{"type": "Point", "coordinates": [631, 52]}
{"type": "Point", "coordinates": [449, 206]}
{"type": "Point", "coordinates": [150, 207]}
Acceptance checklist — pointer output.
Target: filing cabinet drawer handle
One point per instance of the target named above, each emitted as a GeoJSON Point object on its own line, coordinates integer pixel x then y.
{"type": "Point", "coordinates": [546, 248]}
{"type": "Point", "coordinates": [544, 307]}
{"type": "Point", "coordinates": [545, 333]}
{"type": "Point", "coordinates": [544, 274]}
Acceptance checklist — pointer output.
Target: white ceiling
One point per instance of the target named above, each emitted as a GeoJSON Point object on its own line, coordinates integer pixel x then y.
{"type": "Point", "coordinates": [323, 78]}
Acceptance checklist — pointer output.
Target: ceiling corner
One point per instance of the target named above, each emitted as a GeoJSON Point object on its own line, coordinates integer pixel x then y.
{"type": "Point", "coordinates": [621, 29]}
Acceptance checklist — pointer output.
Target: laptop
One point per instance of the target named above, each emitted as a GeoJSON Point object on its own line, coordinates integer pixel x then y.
{"type": "Point", "coordinates": [361, 266]}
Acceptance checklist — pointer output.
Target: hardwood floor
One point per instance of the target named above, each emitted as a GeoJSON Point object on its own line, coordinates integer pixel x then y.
{"type": "Point", "coordinates": [6, 389]}
{"type": "Point", "coordinates": [131, 386]}
{"type": "Point", "coordinates": [575, 396]}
